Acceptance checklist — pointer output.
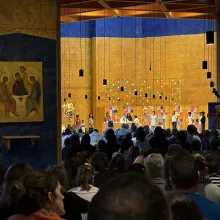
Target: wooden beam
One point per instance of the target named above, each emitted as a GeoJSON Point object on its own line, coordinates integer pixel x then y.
{"type": "Point", "coordinates": [106, 6]}
{"type": "Point", "coordinates": [164, 8]}
{"type": "Point", "coordinates": [217, 4]}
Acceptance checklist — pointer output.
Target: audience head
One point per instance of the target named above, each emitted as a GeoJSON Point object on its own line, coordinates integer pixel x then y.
{"type": "Point", "coordinates": [71, 166]}
{"type": "Point", "coordinates": [141, 135]}
{"type": "Point", "coordinates": [183, 173]}
{"type": "Point", "coordinates": [206, 133]}
{"type": "Point", "coordinates": [212, 162]}
{"type": "Point", "coordinates": [214, 142]}
{"type": "Point", "coordinates": [154, 165]}
{"type": "Point", "coordinates": [110, 136]}
{"type": "Point", "coordinates": [129, 196]}
{"type": "Point", "coordinates": [96, 130]}
{"type": "Point", "coordinates": [125, 144]}
{"type": "Point", "coordinates": [60, 174]}
{"type": "Point", "coordinates": [85, 156]}
{"type": "Point", "coordinates": [183, 208]}
{"type": "Point", "coordinates": [174, 132]}
{"type": "Point", "coordinates": [110, 124]}
{"type": "Point", "coordinates": [36, 191]}
{"type": "Point", "coordinates": [196, 146]}
{"type": "Point", "coordinates": [147, 129]}
{"type": "Point", "coordinates": [174, 149]}
{"type": "Point", "coordinates": [102, 145]}
{"type": "Point", "coordinates": [67, 142]}
{"type": "Point", "coordinates": [137, 168]}
{"type": "Point", "coordinates": [181, 136]}
{"type": "Point", "coordinates": [214, 132]}
{"type": "Point", "coordinates": [191, 129]}
{"type": "Point", "coordinates": [67, 131]}
{"type": "Point", "coordinates": [117, 163]}
{"type": "Point", "coordinates": [200, 163]}
{"type": "Point", "coordinates": [128, 136]}
{"type": "Point", "coordinates": [85, 140]}
{"type": "Point", "coordinates": [99, 161]}
{"type": "Point", "coordinates": [158, 132]}
{"type": "Point", "coordinates": [125, 126]}
{"type": "Point", "coordinates": [80, 130]}
{"type": "Point", "coordinates": [16, 171]}
{"type": "Point", "coordinates": [84, 177]}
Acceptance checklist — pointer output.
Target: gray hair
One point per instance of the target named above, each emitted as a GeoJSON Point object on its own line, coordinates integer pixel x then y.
{"type": "Point", "coordinates": [154, 165]}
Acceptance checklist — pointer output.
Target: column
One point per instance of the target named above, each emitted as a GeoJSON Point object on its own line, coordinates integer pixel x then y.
{"type": "Point", "coordinates": [218, 51]}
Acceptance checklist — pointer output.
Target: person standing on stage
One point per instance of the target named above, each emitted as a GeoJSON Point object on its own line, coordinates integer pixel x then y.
{"type": "Point", "coordinates": [174, 120]}
{"type": "Point", "coordinates": [136, 120]}
{"type": "Point", "coordinates": [123, 119]}
{"type": "Point", "coordinates": [107, 117]}
{"type": "Point", "coordinates": [77, 122]}
{"type": "Point", "coordinates": [91, 122]}
{"type": "Point", "coordinates": [202, 120]}
{"type": "Point", "coordinates": [190, 119]}
{"type": "Point", "coordinates": [129, 117]}
{"type": "Point", "coordinates": [153, 120]}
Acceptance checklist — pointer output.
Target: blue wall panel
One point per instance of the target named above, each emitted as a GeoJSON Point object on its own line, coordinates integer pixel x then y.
{"type": "Point", "coordinates": [130, 27]}
{"type": "Point", "coordinates": [20, 47]}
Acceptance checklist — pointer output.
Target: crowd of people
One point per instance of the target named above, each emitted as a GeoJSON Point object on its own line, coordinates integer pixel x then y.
{"type": "Point", "coordinates": [131, 173]}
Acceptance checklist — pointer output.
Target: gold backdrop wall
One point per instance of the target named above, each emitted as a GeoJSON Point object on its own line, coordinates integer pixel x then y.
{"type": "Point", "coordinates": [167, 66]}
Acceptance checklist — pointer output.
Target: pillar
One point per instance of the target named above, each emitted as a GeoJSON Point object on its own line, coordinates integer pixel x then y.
{"type": "Point", "coordinates": [218, 51]}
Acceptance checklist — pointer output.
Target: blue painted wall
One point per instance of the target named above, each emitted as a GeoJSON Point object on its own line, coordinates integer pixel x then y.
{"type": "Point", "coordinates": [211, 109]}
{"type": "Point", "coordinates": [20, 47]}
{"type": "Point", "coordinates": [129, 27]}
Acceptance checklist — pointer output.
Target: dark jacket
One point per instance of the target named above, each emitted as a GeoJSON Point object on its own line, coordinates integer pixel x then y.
{"type": "Point", "coordinates": [74, 206]}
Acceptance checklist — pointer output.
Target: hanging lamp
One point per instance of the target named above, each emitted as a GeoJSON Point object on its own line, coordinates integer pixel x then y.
{"type": "Point", "coordinates": [204, 65]}
{"type": "Point", "coordinates": [86, 96]}
{"type": "Point", "coordinates": [209, 75]}
{"type": "Point", "coordinates": [145, 95]}
{"type": "Point", "coordinates": [211, 84]}
{"type": "Point", "coordinates": [99, 97]}
{"type": "Point", "coordinates": [122, 88]}
{"type": "Point", "coordinates": [210, 37]}
{"type": "Point", "coordinates": [154, 96]}
{"type": "Point", "coordinates": [105, 82]}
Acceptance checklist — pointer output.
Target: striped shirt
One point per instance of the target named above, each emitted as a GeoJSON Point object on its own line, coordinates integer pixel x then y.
{"type": "Point", "coordinates": [215, 179]}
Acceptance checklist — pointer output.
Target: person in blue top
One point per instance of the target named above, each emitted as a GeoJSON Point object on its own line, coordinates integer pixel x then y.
{"type": "Point", "coordinates": [183, 174]}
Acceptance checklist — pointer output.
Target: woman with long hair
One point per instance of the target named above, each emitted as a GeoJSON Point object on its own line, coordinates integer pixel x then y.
{"type": "Point", "coordinates": [39, 197]}
{"type": "Point", "coordinates": [91, 122]}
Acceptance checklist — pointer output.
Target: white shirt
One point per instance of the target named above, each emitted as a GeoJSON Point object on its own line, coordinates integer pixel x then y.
{"type": "Point", "coordinates": [87, 195]}
{"type": "Point", "coordinates": [136, 121]}
{"type": "Point", "coordinates": [190, 120]}
{"type": "Point", "coordinates": [174, 118]}
{"type": "Point", "coordinates": [153, 120]}
{"type": "Point", "coordinates": [200, 120]}
{"type": "Point", "coordinates": [123, 120]}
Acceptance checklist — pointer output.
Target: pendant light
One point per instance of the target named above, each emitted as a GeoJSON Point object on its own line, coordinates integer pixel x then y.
{"type": "Point", "coordinates": [81, 73]}
{"type": "Point", "coordinates": [86, 96]}
{"type": "Point", "coordinates": [99, 97]}
{"type": "Point", "coordinates": [213, 90]}
{"type": "Point", "coordinates": [153, 96]}
{"type": "Point", "coordinates": [209, 75]}
{"type": "Point", "coordinates": [69, 95]}
{"type": "Point", "coordinates": [122, 88]}
{"type": "Point", "coordinates": [104, 82]}
{"type": "Point", "coordinates": [204, 65]}
{"type": "Point", "coordinates": [160, 97]}
{"type": "Point", "coordinates": [165, 98]}
{"type": "Point", "coordinates": [210, 36]}
{"type": "Point", "coordinates": [145, 95]}
{"type": "Point", "coordinates": [109, 98]}
{"type": "Point", "coordinates": [211, 84]}
{"type": "Point", "coordinates": [136, 93]}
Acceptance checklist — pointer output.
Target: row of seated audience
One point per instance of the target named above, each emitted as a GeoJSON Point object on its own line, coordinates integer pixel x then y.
{"type": "Point", "coordinates": [123, 175]}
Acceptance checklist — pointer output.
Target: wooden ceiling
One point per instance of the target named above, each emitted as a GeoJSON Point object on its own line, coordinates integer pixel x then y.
{"type": "Point", "coordinates": [80, 10]}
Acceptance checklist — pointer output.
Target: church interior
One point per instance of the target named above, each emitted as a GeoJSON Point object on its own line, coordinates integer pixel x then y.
{"type": "Point", "coordinates": [109, 103]}
{"type": "Point", "coordinates": [150, 53]}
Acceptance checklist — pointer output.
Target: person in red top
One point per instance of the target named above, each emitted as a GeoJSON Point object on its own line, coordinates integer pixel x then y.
{"type": "Point", "coordinates": [39, 197]}
{"type": "Point", "coordinates": [77, 122]}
